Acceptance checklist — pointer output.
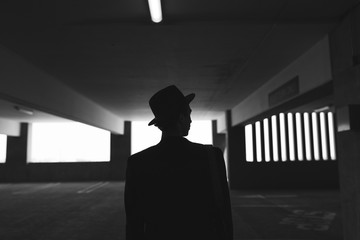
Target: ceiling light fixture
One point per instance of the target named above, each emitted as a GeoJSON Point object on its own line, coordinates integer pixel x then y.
{"type": "Point", "coordinates": [23, 110]}
{"type": "Point", "coordinates": [322, 109]}
{"type": "Point", "coordinates": [155, 10]}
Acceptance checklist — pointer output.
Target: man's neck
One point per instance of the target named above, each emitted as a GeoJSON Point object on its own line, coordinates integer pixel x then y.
{"type": "Point", "coordinates": [170, 134]}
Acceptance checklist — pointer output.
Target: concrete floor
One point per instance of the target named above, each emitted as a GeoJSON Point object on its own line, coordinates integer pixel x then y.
{"type": "Point", "coordinates": [95, 210]}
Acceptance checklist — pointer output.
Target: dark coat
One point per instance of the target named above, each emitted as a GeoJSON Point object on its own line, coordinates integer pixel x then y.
{"type": "Point", "coordinates": [168, 193]}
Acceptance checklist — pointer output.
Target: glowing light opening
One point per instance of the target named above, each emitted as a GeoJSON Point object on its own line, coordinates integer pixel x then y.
{"type": "Point", "coordinates": [144, 136]}
{"type": "Point", "coordinates": [201, 132]}
{"type": "Point", "coordinates": [249, 143]}
{"type": "Point", "coordinates": [274, 138]}
{"type": "Point", "coordinates": [323, 131]}
{"type": "Point", "coordinates": [315, 136]}
{"type": "Point", "coordinates": [307, 136]}
{"type": "Point", "coordinates": [3, 142]}
{"type": "Point", "coordinates": [283, 137]}
{"type": "Point", "coordinates": [155, 10]}
{"type": "Point", "coordinates": [68, 142]}
{"type": "Point", "coordinates": [258, 141]}
{"type": "Point", "coordinates": [331, 135]}
{"type": "Point", "coordinates": [299, 137]}
{"type": "Point", "coordinates": [291, 136]}
{"type": "Point", "coordinates": [266, 139]}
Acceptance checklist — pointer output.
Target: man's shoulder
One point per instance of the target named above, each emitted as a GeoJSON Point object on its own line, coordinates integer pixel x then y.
{"type": "Point", "coordinates": [143, 154]}
{"type": "Point", "coordinates": [200, 145]}
{"type": "Point", "coordinates": [194, 144]}
{"type": "Point", "coordinates": [205, 147]}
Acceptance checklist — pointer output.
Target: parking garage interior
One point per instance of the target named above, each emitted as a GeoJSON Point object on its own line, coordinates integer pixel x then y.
{"type": "Point", "coordinates": [276, 84]}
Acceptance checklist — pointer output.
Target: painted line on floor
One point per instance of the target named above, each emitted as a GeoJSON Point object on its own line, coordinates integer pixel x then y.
{"type": "Point", "coordinates": [281, 196]}
{"type": "Point", "coordinates": [5, 185]}
{"type": "Point", "coordinates": [97, 187]}
{"type": "Point", "coordinates": [251, 196]}
{"type": "Point", "coordinates": [36, 188]}
{"type": "Point", "coordinates": [268, 196]}
{"type": "Point", "coordinates": [265, 206]}
{"type": "Point", "coordinates": [92, 188]}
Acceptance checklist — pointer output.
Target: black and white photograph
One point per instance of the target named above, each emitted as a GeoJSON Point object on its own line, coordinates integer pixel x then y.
{"type": "Point", "coordinates": [180, 120]}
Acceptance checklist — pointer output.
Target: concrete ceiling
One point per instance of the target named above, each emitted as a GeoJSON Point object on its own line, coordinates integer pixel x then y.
{"type": "Point", "coordinates": [20, 113]}
{"type": "Point", "coordinates": [111, 52]}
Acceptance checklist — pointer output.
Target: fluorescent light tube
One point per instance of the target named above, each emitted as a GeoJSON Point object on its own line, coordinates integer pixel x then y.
{"type": "Point", "coordinates": [155, 10]}
{"type": "Point", "coordinates": [23, 110]}
{"type": "Point", "coordinates": [322, 109]}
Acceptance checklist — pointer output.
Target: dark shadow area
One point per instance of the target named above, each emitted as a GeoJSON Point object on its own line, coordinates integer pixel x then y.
{"type": "Point", "coordinates": [64, 172]}
{"type": "Point", "coordinates": [95, 210]}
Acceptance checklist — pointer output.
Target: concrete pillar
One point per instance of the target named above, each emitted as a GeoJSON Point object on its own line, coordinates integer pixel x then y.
{"type": "Point", "coordinates": [15, 165]}
{"type": "Point", "coordinates": [17, 147]}
{"type": "Point", "coordinates": [219, 139]}
{"type": "Point", "coordinates": [345, 52]}
{"type": "Point", "coordinates": [120, 151]}
{"type": "Point", "coordinates": [235, 151]}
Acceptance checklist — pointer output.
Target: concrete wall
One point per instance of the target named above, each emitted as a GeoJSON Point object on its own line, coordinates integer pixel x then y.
{"type": "Point", "coordinates": [23, 83]}
{"type": "Point", "coordinates": [221, 124]}
{"type": "Point", "coordinates": [276, 175]}
{"type": "Point", "coordinates": [313, 69]}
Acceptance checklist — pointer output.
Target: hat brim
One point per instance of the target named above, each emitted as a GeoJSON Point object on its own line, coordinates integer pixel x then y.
{"type": "Point", "coordinates": [188, 99]}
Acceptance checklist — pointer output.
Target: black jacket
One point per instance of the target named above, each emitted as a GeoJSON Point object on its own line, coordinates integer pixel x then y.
{"type": "Point", "coordinates": [168, 193]}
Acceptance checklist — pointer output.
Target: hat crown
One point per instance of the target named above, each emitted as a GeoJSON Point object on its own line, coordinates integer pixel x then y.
{"type": "Point", "coordinates": [166, 103]}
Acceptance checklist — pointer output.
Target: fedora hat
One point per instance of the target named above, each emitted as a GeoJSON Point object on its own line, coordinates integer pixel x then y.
{"type": "Point", "coordinates": [166, 104]}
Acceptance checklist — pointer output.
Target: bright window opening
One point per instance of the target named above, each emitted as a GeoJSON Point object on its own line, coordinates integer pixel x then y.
{"type": "Point", "coordinates": [275, 138]}
{"type": "Point", "coordinates": [249, 143]}
{"type": "Point", "coordinates": [68, 142]}
{"type": "Point", "coordinates": [283, 137]}
{"type": "Point", "coordinates": [315, 136]}
{"type": "Point", "coordinates": [266, 140]}
{"type": "Point", "coordinates": [291, 136]}
{"type": "Point", "coordinates": [323, 136]}
{"type": "Point", "coordinates": [331, 135]}
{"type": "Point", "coordinates": [307, 136]}
{"type": "Point", "coordinates": [3, 142]}
{"type": "Point", "coordinates": [258, 142]}
{"type": "Point", "coordinates": [299, 137]}
{"type": "Point", "coordinates": [144, 136]}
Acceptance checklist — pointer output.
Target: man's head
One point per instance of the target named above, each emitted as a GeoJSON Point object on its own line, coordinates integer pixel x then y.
{"type": "Point", "coordinates": [171, 109]}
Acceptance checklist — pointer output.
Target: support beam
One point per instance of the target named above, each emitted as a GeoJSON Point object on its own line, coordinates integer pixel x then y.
{"type": "Point", "coordinates": [219, 139]}
{"type": "Point", "coordinates": [235, 151]}
{"type": "Point", "coordinates": [15, 166]}
{"type": "Point", "coordinates": [25, 84]}
{"type": "Point", "coordinates": [120, 151]}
